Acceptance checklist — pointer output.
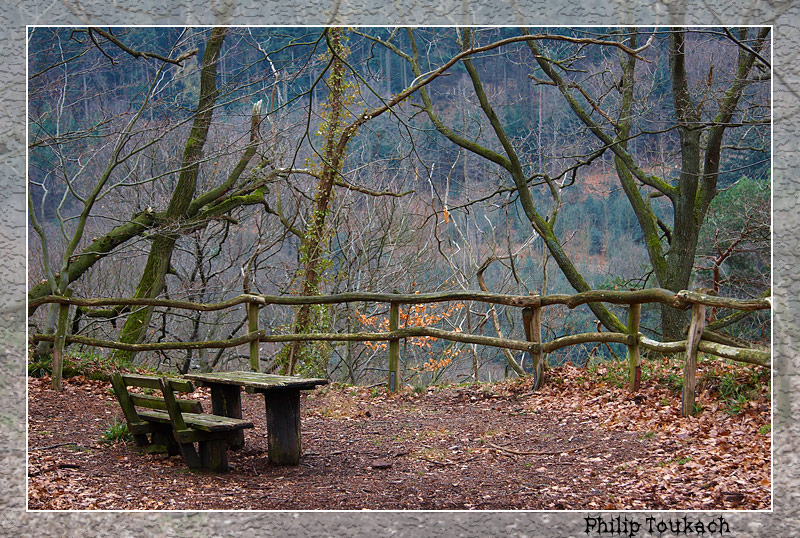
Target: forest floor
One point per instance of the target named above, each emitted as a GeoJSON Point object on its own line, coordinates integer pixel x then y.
{"type": "Point", "coordinates": [581, 442]}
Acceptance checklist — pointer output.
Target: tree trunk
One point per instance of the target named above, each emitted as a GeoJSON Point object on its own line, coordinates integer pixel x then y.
{"type": "Point", "coordinates": [314, 246]}
{"type": "Point", "coordinates": [152, 281]}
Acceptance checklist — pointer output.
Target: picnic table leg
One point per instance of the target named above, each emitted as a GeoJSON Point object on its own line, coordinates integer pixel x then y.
{"type": "Point", "coordinates": [226, 400]}
{"type": "Point", "coordinates": [283, 426]}
{"type": "Point", "coordinates": [213, 455]}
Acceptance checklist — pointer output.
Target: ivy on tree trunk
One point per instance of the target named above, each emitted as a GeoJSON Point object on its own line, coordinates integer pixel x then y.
{"type": "Point", "coordinates": [314, 247]}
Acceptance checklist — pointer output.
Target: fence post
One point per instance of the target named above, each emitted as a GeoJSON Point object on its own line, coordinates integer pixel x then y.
{"type": "Point", "coordinates": [394, 347]}
{"type": "Point", "coordinates": [634, 359]}
{"type": "Point", "coordinates": [59, 342]}
{"type": "Point", "coordinates": [252, 326]}
{"type": "Point", "coordinates": [690, 367]}
{"type": "Point", "coordinates": [532, 322]}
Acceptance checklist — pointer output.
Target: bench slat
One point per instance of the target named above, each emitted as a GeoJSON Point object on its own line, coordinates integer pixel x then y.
{"type": "Point", "coordinates": [154, 402]}
{"type": "Point", "coordinates": [153, 382]}
{"type": "Point", "coordinates": [203, 422]}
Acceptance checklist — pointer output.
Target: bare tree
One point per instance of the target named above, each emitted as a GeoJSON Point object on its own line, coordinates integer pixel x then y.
{"type": "Point", "coordinates": [701, 128]}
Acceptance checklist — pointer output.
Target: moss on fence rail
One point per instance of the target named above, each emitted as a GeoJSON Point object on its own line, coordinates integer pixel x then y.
{"type": "Point", "coordinates": [408, 332]}
{"type": "Point", "coordinates": [681, 300]}
{"type": "Point", "coordinates": [531, 309]}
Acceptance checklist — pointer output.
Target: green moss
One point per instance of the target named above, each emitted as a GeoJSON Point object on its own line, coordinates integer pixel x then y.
{"type": "Point", "coordinates": [91, 365]}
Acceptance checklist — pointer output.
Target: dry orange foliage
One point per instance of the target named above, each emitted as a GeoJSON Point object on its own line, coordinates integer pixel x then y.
{"type": "Point", "coordinates": [418, 315]}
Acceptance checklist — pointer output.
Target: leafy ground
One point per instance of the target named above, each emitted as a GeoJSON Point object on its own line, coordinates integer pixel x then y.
{"type": "Point", "coordinates": [582, 442]}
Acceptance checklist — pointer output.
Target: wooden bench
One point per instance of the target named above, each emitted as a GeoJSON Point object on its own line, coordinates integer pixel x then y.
{"type": "Point", "coordinates": [173, 424]}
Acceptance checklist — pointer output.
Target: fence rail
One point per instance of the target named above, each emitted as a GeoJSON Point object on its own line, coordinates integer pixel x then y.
{"type": "Point", "coordinates": [698, 339]}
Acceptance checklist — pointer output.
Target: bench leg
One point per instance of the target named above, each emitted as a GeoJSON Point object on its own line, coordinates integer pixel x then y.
{"type": "Point", "coordinates": [190, 455]}
{"type": "Point", "coordinates": [166, 439]}
{"type": "Point", "coordinates": [283, 426]}
{"type": "Point", "coordinates": [226, 400]}
{"type": "Point", "coordinates": [213, 455]}
{"type": "Point", "coordinates": [160, 443]}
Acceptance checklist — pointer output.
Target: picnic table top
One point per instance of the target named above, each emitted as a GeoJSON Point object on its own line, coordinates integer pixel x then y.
{"type": "Point", "coordinates": [257, 380]}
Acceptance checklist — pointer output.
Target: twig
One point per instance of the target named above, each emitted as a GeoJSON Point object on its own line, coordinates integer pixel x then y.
{"type": "Point", "coordinates": [53, 468]}
{"type": "Point", "coordinates": [48, 447]}
{"type": "Point", "coordinates": [375, 385]}
{"type": "Point", "coordinates": [436, 462]}
{"type": "Point", "coordinates": [364, 190]}
{"type": "Point", "coordinates": [520, 453]}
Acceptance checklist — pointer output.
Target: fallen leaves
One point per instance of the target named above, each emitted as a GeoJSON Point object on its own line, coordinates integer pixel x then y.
{"type": "Point", "coordinates": [580, 442]}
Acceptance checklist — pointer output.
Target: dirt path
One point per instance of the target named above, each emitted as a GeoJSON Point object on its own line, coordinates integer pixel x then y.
{"type": "Point", "coordinates": [574, 445]}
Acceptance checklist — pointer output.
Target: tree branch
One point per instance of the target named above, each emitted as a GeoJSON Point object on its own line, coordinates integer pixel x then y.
{"type": "Point", "coordinates": [138, 53]}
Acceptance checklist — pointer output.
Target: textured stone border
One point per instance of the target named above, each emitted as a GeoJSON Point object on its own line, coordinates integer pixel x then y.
{"type": "Point", "coordinates": [786, 187]}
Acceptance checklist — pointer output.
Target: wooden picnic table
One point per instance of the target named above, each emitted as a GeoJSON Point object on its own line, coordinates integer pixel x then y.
{"type": "Point", "coordinates": [282, 401]}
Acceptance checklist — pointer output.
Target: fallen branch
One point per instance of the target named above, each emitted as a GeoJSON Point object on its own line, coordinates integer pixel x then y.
{"type": "Point", "coordinates": [53, 468]}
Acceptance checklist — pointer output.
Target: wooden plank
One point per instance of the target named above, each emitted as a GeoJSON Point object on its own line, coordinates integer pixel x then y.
{"type": "Point", "coordinates": [214, 456]}
{"type": "Point", "coordinates": [194, 436]}
{"type": "Point", "coordinates": [690, 366]}
{"type": "Point", "coordinates": [156, 416]}
{"type": "Point", "coordinates": [634, 358]}
{"type": "Point", "coordinates": [165, 438]}
{"type": "Point", "coordinates": [283, 426]}
{"type": "Point", "coordinates": [174, 412]}
{"type": "Point", "coordinates": [178, 425]}
{"type": "Point", "coordinates": [139, 429]}
{"type": "Point", "coordinates": [154, 382]}
{"type": "Point", "coordinates": [394, 348]}
{"type": "Point", "coordinates": [190, 455]}
{"type": "Point", "coordinates": [154, 402]}
{"type": "Point", "coordinates": [214, 423]}
{"type": "Point", "coordinates": [257, 380]}
{"type": "Point", "coordinates": [124, 399]}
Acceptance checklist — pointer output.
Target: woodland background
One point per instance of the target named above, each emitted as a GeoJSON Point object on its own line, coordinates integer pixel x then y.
{"type": "Point", "coordinates": [487, 171]}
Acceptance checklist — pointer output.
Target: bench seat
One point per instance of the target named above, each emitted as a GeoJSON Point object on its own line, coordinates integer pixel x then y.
{"type": "Point", "coordinates": [203, 422]}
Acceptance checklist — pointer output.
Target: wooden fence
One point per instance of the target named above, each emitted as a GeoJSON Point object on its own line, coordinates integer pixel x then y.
{"type": "Point", "coordinates": [698, 338]}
